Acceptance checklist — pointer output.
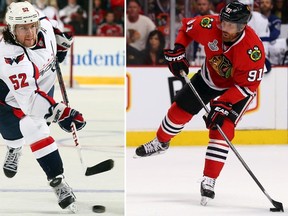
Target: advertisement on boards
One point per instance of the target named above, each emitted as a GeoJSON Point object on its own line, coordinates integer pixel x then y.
{"type": "Point", "coordinates": [150, 92]}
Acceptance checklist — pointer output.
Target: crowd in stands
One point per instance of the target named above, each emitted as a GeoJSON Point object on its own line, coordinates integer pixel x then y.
{"type": "Point", "coordinates": [148, 22]}
{"type": "Point", "coordinates": [153, 16]}
{"type": "Point", "coordinates": [72, 15]}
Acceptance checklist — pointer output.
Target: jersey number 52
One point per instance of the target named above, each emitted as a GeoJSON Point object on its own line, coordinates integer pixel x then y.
{"type": "Point", "coordinates": [19, 80]}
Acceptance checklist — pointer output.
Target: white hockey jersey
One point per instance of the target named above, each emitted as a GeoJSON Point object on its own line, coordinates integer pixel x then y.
{"type": "Point", "coordinates": [26, 73]}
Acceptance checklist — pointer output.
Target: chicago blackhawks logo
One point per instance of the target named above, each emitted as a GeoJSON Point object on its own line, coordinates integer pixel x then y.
{"type": "Point", "coordinates": [222, 65]}
{"type": "Point", "coordinates": [254, 54]}
{"type": "Point", "coordinates": [206, 22]}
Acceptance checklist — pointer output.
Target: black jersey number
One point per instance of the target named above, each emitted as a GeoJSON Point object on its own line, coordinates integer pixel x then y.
{"type": "Point", "coordinates": [19, 80]}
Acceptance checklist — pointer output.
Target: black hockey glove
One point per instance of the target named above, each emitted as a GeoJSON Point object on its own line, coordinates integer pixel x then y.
{"type": "Point", "coordinates": [64, 115]}
{"type": "Point", "coordinates": [176, 60]}
{"type": "Point", "coordinates": [219, 110]}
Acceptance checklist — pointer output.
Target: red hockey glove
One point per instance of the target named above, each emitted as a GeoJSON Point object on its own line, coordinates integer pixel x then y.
{"type": "Point", "coordinates": [219, 110]}
{"type": "Point", "coordinates": [65, 116]}
{"type": "Point", "coordinates": [176, 60]}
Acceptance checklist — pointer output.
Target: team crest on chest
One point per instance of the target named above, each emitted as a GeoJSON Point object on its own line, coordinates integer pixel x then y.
{"type": "Point", "coordinates": [213, 45]}
{"type": "Point", "coordinates": [254, 54]}
{"type": "Point", "coordinates": [16, 60]}
{"type": "Point", "coordinates": [206, 22]}
{"type": "Point", "coordinates": [222, 65]}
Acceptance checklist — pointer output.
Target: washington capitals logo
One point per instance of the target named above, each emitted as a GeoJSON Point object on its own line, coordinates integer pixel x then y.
{"type": "Point", "coordinates": [25, 9]}
{"type": "Point", "coordinates": [16, 60]}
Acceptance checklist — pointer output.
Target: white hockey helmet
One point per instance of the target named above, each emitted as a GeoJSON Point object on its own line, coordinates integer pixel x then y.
{"type": "Point", "coordinates": [20, 13]}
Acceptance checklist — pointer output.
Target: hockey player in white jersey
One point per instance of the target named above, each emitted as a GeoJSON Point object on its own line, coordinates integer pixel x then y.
{"type": "Point", "coordinates": [27, 74]}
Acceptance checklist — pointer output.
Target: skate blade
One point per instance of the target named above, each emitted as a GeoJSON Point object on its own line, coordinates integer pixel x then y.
{"type": "Point", "coordinates": [73, 207]}
{"type": "Point", "coordinates": [155, 154]}
{"type": "Point", "coordinates": [204, 200]}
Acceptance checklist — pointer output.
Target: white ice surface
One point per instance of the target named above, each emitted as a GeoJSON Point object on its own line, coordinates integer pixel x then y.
{"type": "Point", "coordinates": [168, 184]}
{"type": "Point", "coordinates": [28, 192]}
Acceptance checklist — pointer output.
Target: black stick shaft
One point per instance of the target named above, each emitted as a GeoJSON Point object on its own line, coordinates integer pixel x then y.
{"type": "Point", "coordinates": [276, 204]}
{"type": "Point", "coordinates": [98, 168]}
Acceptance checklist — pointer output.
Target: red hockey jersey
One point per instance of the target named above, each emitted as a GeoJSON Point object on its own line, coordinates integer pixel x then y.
{"type": "Point", "coordinates": [238, 68]}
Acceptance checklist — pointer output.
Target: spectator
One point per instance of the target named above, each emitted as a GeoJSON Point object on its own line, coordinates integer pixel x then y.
{"type": "Point", "coordinates": [260, 24]}
{"type": "Point", "coordinates": [2, 10]}
{"type": "Point", "coordinates": [153, 53]}
{"type": "Point", "coordinates": [119, 15]}
{"type": "Point", "coordinates": [138, 26]}
{"type": "Point", "coordinates": [73, 14]}
{"type": "Point", "coordinates": [116, 3]}
{"type": "Point", "coordinates": [280, 9]}
{"type": "Point", "coordinates": [219, 4]}
{"type": "Point", "coordinates": [98, 14]}
{"type": "Point", "coordinates": [133, 56]}
{"type": "Point", "coordinates": [284, 17]}
{"type": "Point", "coordinates": [49, 11]}
{"type": "Point", "coordinates": [202, 8]}
{"type": "Point", "coordinates": [278, 52]}
{"type": "Point", "coordinates": [62, 3]}
{"type": "Point", "coordinates": [266, 7]}
{"type": "Point", "coordinates": [109, 27]}
{"type": "Point", "coordinates": [277, 9]}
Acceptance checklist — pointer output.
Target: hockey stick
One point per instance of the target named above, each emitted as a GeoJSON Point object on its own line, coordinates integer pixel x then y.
{"type": "Point", "coordinates": [278, 206]}
{"type": "Point", "coordinates": [98, 168]}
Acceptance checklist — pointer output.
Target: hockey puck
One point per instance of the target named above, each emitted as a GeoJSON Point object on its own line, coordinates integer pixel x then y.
{"type": "Point", "coordinates": [275, 209]}
{"type": "Point", "coordinates": [98, 208]}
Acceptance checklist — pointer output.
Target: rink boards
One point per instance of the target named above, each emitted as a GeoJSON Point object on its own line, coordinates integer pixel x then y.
{"type": "Point", "coordinates": [150, 92]}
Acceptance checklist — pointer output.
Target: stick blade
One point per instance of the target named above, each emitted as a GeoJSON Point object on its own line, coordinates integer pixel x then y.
{"type": "Point", "coordinates": [278, 206]}
{"type": "Point", "coordinates": [99, 168]}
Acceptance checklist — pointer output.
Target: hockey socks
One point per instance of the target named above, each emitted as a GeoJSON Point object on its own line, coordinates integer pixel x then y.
{"type": "Point", "coordinates": [216, 155]}
{"type": "Point", "coordinates": [47, 155]}
{"type": "Point", "coordinates": [217, 150]}
{"type": "Point", "coordinates": [173, 123]}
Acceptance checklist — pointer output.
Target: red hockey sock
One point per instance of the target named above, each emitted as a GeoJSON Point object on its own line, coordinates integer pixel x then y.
{"type": "Point", "coordinates": [173, 123]}
{"type": "Point", "coordinates": [216, 154]}
{"type": "Point", "coordinates": [217, 150]}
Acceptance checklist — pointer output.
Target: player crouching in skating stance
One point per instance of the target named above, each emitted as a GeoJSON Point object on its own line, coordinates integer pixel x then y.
{"type": "Point", "coordinates": [27, 72]}
{"type": "Point", "coordinates": [228, 79]}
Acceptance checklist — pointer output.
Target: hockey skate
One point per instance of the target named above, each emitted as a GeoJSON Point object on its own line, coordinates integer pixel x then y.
{"type": "Point", "coordinates": [153, 147]}
{"type": "Point", "coordinates": [66, 197]}
{"type": "Point", "coordinates": [11, 161]}
{"type": "Point", "coordinates": [207, 190]}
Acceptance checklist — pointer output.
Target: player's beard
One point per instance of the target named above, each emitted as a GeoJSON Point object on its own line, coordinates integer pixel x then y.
{"type": "Point", "coordinates": [226, 37]}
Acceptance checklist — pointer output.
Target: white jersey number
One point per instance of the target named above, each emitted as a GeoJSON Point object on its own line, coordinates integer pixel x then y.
{"type": "Point", "coordinates": [255, 75]}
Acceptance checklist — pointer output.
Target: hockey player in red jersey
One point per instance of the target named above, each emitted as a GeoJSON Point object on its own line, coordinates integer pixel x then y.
{"type": "Point", "coordinates": [228, 79]}
{"type": "Point", "coordinates": [27, 74]}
